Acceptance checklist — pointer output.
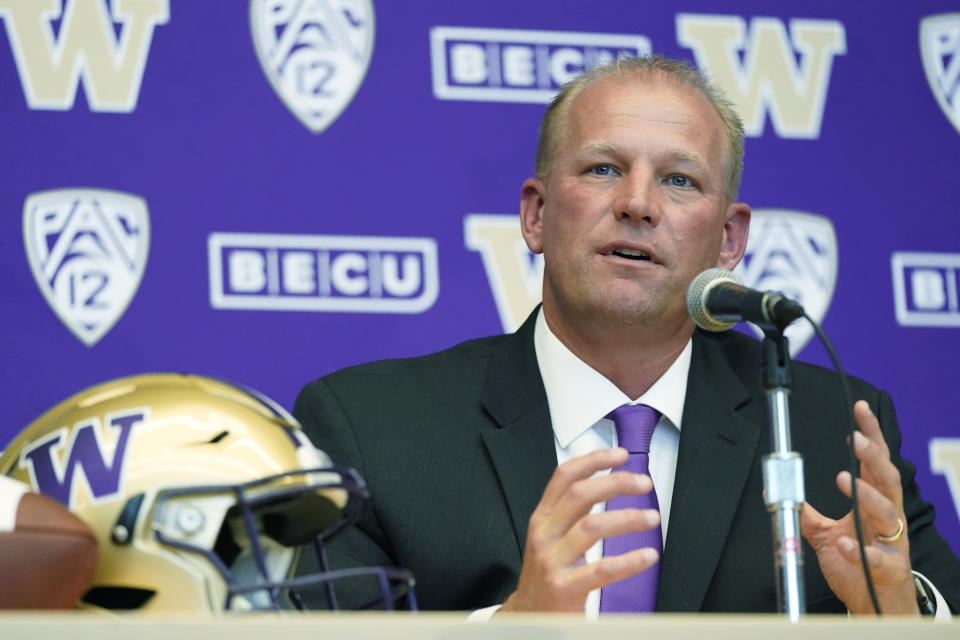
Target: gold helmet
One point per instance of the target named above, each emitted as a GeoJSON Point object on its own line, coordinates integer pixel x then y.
{"type": "Point", "coordinates": [199, 493]}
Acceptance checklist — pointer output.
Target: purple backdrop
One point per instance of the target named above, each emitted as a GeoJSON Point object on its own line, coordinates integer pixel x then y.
{"type": "Point", "coordinates": [361, 245]}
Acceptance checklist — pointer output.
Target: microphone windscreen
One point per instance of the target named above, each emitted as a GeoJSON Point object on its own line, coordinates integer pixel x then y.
{"type": "Point", "coordinates": [697, 294]}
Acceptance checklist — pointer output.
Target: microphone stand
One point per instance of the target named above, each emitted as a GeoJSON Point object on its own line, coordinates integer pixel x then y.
{"type": "Point", "coordinates": [783, 476]}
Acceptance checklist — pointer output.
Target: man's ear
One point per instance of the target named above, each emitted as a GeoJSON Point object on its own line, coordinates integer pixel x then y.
{"type": "Point", "coordinates": [735, 233]}
{"type": "Point", "coordinates": [531, 213]}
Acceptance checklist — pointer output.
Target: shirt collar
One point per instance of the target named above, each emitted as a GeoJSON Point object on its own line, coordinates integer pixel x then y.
{"type": "Point", "coordinates": [579, 396]}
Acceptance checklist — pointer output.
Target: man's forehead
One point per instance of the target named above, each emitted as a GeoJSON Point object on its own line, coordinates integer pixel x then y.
{"type": "Point", "coordinates": [633, 80]}
{"type": "Point", "coordinates": [657, 86]}
{"type": "Point", "coordinates": [606, 147]}
{"type": "Point", "coordinates": [610, 93]}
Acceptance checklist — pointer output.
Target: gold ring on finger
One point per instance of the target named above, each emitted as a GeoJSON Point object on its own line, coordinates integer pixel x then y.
{"type": "Point", "coordinates": [894, 537]}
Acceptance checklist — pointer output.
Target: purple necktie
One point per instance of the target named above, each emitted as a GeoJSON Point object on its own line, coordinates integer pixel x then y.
{"type": "Point", "coordinates": [637, 593]}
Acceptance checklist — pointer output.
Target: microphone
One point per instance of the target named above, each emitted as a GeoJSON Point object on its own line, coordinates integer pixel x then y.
{"type": "Point", "coordinates": [717, 300]}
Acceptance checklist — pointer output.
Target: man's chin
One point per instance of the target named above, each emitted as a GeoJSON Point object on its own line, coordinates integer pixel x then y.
{"type": "Point", "coordinates": [633, 304]}
{"type": "Point", "coordinates": [629, 313]}
{"type": "Point", "coordinates": [620, 304]}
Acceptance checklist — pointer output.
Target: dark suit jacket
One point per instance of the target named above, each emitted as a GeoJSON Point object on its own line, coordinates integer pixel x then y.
{"type": "Point", "coordinates": [456, 448]}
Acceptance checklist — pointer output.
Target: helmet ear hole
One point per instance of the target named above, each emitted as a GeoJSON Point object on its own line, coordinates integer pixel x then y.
{"type": "Point", "coordinates": [118, 598]}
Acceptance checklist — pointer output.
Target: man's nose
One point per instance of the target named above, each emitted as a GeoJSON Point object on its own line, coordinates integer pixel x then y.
{"type": "Point", "coordinates": [639, 198]}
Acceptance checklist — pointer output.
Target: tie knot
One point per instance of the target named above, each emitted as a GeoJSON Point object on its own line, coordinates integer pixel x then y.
{"type": "Point", "coordinates": [635, 424]}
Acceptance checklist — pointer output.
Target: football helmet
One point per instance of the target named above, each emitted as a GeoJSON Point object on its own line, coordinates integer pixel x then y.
{"type": "Point", "coordinates": [200, 494]}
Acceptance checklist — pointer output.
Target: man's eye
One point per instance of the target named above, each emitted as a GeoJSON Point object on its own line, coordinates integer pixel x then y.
{"type": "Point", "coordinates": [680, 181]}
{"type": "Point", "coordinates": [603, 170]}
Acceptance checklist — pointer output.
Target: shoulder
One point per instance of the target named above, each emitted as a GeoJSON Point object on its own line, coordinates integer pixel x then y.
{"type": "Point", "coordinates": [465, 366]}
{"type": "Point", "coordinates": [461, 358]}
{"type": "Point", "coordinates": [470, 351]}
{"type": "Point", "coordinates": [451, 375]}
{"type": "Point", "coordinates": [744, 354]}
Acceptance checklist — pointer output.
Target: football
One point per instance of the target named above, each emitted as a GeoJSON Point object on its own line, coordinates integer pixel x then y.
{"type": "Point", "coordinates": [48, 559]}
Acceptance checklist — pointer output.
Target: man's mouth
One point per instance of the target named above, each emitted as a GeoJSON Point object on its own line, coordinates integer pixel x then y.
{"type": "Point", "coordinates": [631, 254]}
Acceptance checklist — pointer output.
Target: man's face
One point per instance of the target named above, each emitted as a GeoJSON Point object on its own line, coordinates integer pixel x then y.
{"type": "Point", "coordinates": [634, 206]}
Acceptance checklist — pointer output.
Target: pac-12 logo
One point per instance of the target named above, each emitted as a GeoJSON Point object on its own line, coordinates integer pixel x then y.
{"type": "Point", "coordinates": [795, 253]}
{"type": "Point", "coordinates": [314, 52]}
{"type": "Point", "coordinates": [940, 50]}
{"type": "Point", "coordinates": [87, 249]}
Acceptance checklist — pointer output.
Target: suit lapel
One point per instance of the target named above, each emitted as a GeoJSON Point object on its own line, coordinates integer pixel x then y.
{"type": "Point", "coordinates": [717, 448]}
{"type": "Point", "coordinates": [522, 448]}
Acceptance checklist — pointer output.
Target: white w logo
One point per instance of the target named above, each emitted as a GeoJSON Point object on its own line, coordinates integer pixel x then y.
{"type": "Point", "coordinates": [769, 78]}
{"type": "Point", "coordinates": [50, 66]}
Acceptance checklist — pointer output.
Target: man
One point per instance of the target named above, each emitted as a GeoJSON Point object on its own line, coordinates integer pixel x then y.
{"type": "Point", "coordinates": [488, 463]}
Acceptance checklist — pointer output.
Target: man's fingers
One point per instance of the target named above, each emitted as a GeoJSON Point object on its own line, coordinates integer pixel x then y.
{"type": "Point", "coordinates": [576, 469]}
{"type": "Point", "coordinates": [583, 494]}
{"type": "Point", "coordinates": [877, 469]}
{"type": "Point", "coordinates": [869, 425]}
{"type": "Point", "coordinates": [588, 577]}
{"type": "Point", "coordinates": [608, 524]}
{"type": "Point", "coordinates": [812, 521]}
{"type": "Point", "coordinates": [562, 528]}
{"type": "Point", "coordinates": [876, 557]}
{"type": "Point", "coordinates": [879, 513]}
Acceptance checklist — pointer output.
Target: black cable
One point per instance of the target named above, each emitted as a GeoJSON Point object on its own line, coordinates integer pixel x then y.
{"type": "Point", "coordinates": [854, 463]}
